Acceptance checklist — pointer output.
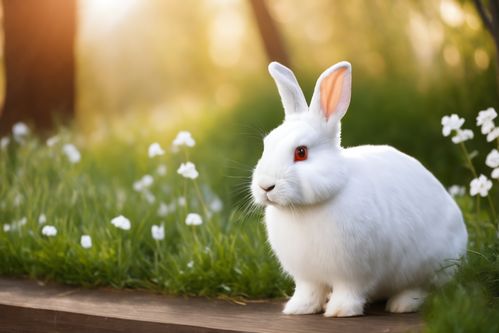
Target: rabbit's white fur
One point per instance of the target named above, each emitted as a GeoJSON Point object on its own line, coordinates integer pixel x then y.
{"type": "Point", "coordinates": [364, 223]}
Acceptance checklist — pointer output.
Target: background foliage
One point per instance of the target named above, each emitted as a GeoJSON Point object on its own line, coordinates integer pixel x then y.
{"type": "Point", "coordinates": [146, 69]}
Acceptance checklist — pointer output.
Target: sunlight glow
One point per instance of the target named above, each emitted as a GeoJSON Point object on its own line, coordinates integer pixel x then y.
{"type": "Point", "coordinates": [451, 13]}
{"type": "Point", "coordinates": [451, 55]}
{"type": "Point", "coordinates": [105, 14]}
{"type": "Point", "coordinates": [227, 31]}
{"type": "Point", "coordinates": [426, 38]}
{"type": "Point", "coordinates": [473, 21]}
{"type": "Point", "coordinates": [482, 59]}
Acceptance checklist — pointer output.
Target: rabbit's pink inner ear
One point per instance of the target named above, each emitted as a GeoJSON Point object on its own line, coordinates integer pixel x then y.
{"type": "Point", "coordinates": [331, 91]}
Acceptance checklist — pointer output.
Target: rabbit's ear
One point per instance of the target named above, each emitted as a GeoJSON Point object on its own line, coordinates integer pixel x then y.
{"type": "Point", "coordinates": [332, 92]}
{"type": "Point", "coordinates": [292, 96]}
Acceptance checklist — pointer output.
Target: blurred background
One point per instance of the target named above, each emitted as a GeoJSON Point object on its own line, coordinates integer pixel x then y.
{"type": "Point", "coordinates": [140, 70]}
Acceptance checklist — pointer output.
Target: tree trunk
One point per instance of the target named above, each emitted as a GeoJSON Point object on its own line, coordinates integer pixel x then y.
{"type": "Point", "coordinates": [269, 33]}
{"type": "Point", "coordinates": [490, 19]}
{"type": "Point", "coordinates": [39, 62]}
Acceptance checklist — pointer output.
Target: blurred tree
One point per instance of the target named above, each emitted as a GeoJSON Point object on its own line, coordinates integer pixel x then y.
{"type": "Point", "coordinates": [269, 33]}
{"type": "Point", "coordinates": [490, 18]}
{"type": "Point", "coordinates": [39, 61]}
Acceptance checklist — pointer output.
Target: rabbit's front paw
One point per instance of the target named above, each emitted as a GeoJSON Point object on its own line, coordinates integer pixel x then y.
{"type": "Point", "coordinates": [308, 298]}
{"type": "Point", "coordinates": [301, 305]}
{"type": "Point", "coordinates": [344, 304]}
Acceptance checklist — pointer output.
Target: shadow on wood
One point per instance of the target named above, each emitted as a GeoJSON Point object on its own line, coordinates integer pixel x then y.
{"type": "Point", "coordinates": [28, 306]}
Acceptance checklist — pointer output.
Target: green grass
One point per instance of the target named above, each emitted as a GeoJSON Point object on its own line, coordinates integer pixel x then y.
{"type": "Point", "coordinates": [469, 303]}
{"type": "Point", "coordinates": [227, 255]}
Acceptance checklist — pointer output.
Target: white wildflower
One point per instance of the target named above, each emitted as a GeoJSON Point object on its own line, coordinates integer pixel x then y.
{"type": "Point", "coordinates": [20, 131]}
{"type": "Point", "coordinates": [182, 201]}
{"type": "Point", "coordinates": [193, 219]}
{"type": "Point", "coordinates": [492, 160]}
{"type": "Point", "coordinates": [488, 127]}
{"type": "Point", "coordinates": [121, 222]}
{"type": "Point", "coordinates": [7, 227]}
{"type": "Point", "coordinates": [150, 198]}
{"type": "Point", "coordinates": [495, 173]}
{"type": "Point", "coordinates": [4, 142]}
{"type": "Point", "coordinates": [190, 264]}
{"type": "Point", "coordinates": [137, 186]}
{"type": "Point", "coordinates": [457, 191]}
{"type": "Point", "coordinates": [18, 199]}
{"type": "Point", "coordinates": [22, 222]}
{"type": "Point", "coordinates": [216, 205]}
{"type": "Point", "coordinates": [17, 224]}
{"type": "Point", "coordinates": [143, 183]}
{"type": "Point", "coordinates": [480, 185]}
{"type": "Point", "coordinates": [450, 123]}
{"type": "Point", "coordinates": [462, 135]}
{"type": "Point", "coordinates": [188, 170]}
{"type": "Point", "coordinates": [52, 141]}
{"type": "Point", "coordinates": [86, 241]}
{"type": "Point", "coordinates": [184, 138]}
{"type": "Point", "coordinates": [155, 150]}
{"type": "Point", "coordinates": [163, 209]}
{"type": "Point", "coordinates": [71, 152]}
{"type": "Point", "coordinates": [42, 219]}
{"type": "Point", "coordinates": [485, 117]}
{"type": "Point", "coordinates": [494, 134]}
{"type": "Point", "coordinates": [161, 170]}
{"type": "Point", "coordinates": [158, 232]}
{"type": "Point", "coordinates": [49, 231]}
{"type": "Point", "coordinates": [147, 180]}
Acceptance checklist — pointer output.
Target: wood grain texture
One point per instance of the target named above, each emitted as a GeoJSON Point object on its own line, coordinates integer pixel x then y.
{"type": "Point", "coordinates": [28, 306]}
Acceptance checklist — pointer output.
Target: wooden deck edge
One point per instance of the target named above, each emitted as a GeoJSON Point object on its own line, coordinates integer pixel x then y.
{"type": "Point", "coordinates": [27, 306]}
{"type": "Point", "coordinates": [23, 319]}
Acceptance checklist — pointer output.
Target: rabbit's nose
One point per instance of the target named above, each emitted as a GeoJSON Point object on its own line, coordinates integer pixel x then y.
{"type": "Point", "coordinates": [267, 188]}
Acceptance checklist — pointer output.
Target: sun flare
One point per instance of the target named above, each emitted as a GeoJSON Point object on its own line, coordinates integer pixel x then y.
{"type": "Point", "coordinates": [106, 13]}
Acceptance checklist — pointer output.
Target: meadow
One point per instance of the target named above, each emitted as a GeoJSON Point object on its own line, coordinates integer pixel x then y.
{"type": "Point", "coordinates": [146, 185]}
{"type": "Point", "coordinates": [80, 191]}
{"type": "Point", "coordinates": [137, 214]}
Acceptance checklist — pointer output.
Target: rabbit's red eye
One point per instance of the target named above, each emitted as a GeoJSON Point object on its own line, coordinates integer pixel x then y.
{"type": "Point", "coordinates": [301, 153]}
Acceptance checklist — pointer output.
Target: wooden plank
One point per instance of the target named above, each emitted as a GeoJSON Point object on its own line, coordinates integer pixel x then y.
{"type": "Point", "coordinates": [28, 306]}
{"type": "Point", "coordinates": [21, 319]}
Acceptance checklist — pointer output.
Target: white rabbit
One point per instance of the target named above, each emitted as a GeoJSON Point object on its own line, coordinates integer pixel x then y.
{"type": "Point", "coordinates": [366, 223]}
